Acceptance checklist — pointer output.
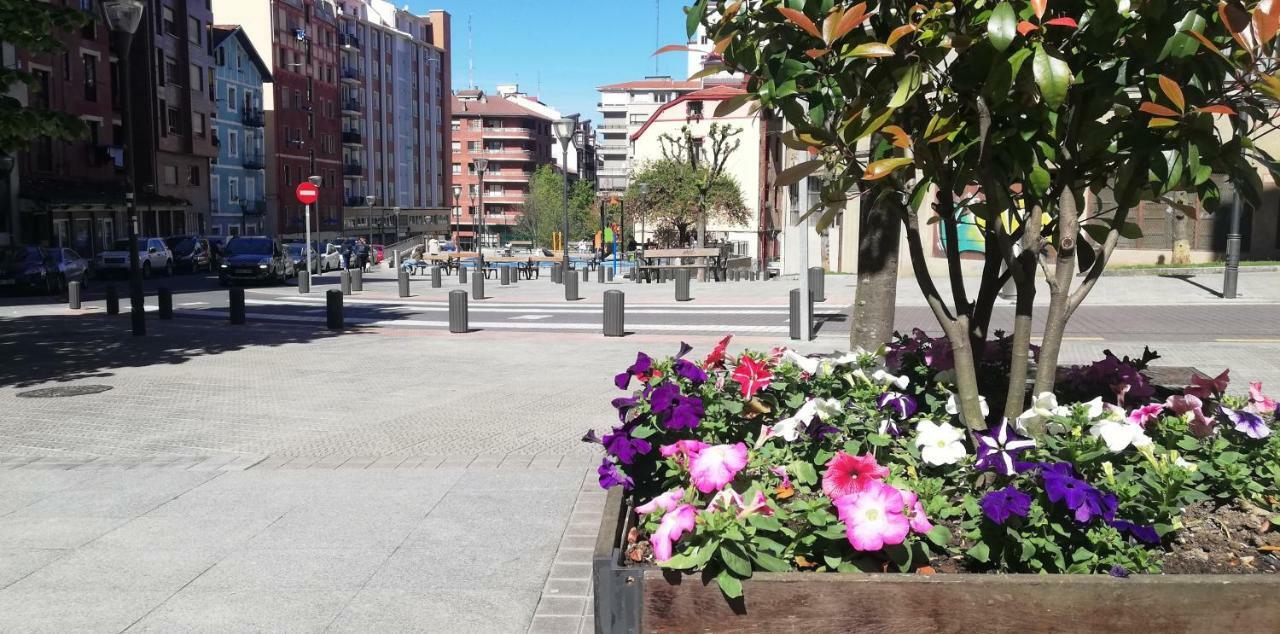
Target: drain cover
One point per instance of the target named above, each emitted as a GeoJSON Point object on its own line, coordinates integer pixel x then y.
{"type": "Point", "coordinates": [69, 390]}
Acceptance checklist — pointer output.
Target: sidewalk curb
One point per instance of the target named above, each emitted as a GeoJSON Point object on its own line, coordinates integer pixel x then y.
{"type": "Point", "coordinates": [1186, 270]}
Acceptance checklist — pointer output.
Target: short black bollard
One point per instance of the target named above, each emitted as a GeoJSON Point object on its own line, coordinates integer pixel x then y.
{"type": "Point", "coordinates": [477, 285]}
{"type": "Point", "coordinates": [682, 285]}
{"type": "Point", "coordinates": [333, 309]}
{"type": "Point", "coordinates": [165, 297]}
{"type": "Point", "coordinates": [436, 277]}
{"type": "Point", "coordinates": [344, 281]}
{"type": "Point", "coordinates": [600, 273]}
{"type": "Point", "coordinates": [555, 273]}
{"type": "Point", "coordinates": [304, 283]}
{"type": "Point", "coordinates": [609, 275]}
{"type": "Point", "coordinates": [73, 295]}
{"type": "Point", "coordinates": [504, 276]}
{"type": "Point", "coordinates": [794, 314]}
{"type": "Point", "coordinates": [404, 283]}
{"type": "Point", "coordinates": [571, 287]}
{"type": "Point", "coordinates": [357, 280]}
{"type": "Point", "coordinates": [237, 306]}
{"type": "Point", "coordinates": [458, 322]}
{"type": "Point", "coordinates": [113, 301]}
{"type": "Point", "coordinates": [462, 274]}
{"type": "Point", "coordinates": [586, 274]}
{"type": "Point", "coordinates": [614, 319]}
{"type": "Point", "coordinates": [817, 285]}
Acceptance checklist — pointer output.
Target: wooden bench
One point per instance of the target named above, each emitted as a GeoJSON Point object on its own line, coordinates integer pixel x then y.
{"type": "Point", "coordinates": [523, 265]}
{"type": "Point", "coordinates": [653, 262]}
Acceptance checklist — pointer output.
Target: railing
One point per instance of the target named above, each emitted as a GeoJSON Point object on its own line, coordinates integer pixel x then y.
{"type": "Point", "coordinates": [353, 74]}
{"type": "Point", "coordinates": [509, 152]}
{"type": "Point", "coordinates": [352, 137]}
{"type": "Point", "coordinates": [256, 207]}
{"type": "Point", "coordinates": [253, 162]}
{"type": "Point", "coordinates": [354, 201]}
{"type": "Point", "coordinates": [253, 118]}
{"type": "Point", "coordinates": [350, 105]}
{"type": "Point", "coordinates": [353, 169]}
{"type": "Point", "coordinates": [347, 40]}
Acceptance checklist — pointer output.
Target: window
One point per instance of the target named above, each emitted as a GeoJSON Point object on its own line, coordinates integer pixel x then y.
{"type": "Point", "coordinates": [457, 168]}
{"type": "Point", "coordinates": [233, 143]}
{"type": "Point", "coordinates": [193, 30]}
{"type": "Point", "coordinates": [454, 126]}
{"type": "Point", "coordinates": [66, 66]}
{"type": "Point", "coordinates": [231, 98]}
{"type": "Point", "coordinates": [167, 22]}
{"type": "Point", "coordinates": [171, 69]}
{"type": "Point", "coordinates": [457, 146]}
{"type": "Point", "coordinates": [220, 57]}
{"type": "Point", "coordinates": [172, 118]}
{"type": "Point", "coordinates": [95, 131]}
{"type": "Point", "coordinates": [90, 64]}
{"type": "Point", "coordinates": [197, 125]}
{"type": "Point", "coordinates": [193, 175]}
{"type": "Point", "coordinates": [287, 174]}
{"type": "Point", "coordinates": [233, 189]}
{"type": "Point", "coordinates": [197, 78]}
{"type": "Point", "coordinates": [169, 174]}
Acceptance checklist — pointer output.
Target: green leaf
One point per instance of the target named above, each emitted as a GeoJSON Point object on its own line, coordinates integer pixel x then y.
{"type": "Point", "coordinates": [1002, 27]}
{"type": "Point", "coordinates": [1053, 76]}
{"type": "Point", "coordinates": [728, 106]}
{"type": "Point", "coordinates": [770, 563]}
{"type": "Point", "coordinates": [734, 559]}
{"type": "Point", "coordinates": [1028, 550]}
{"type": "Point", "coordinates": [765, 522]}
{"type": "Point", "coordinates": [704, 554]}
{"type": "Point", "coordinates": [1181, 45]}
{"type": "Point", "coordinates": [679, 561]}
{"type": "Point", "coordinates": [805, 472]}
{"type": "Point", "coordinates": [871, 49]}
{"type": "Point", "coordinates": [1097, 232]}
{"type": "Point", "coordinates": [939, 535]}
{"type": "Point", "coordinates": [908, 84]}
{"type": "Point", "coordinates": [1039, 179]}
{"type": "Point", "coordinates": [796, 173]}
{"type": "Point", "coordinates": [1131, 231]}
{"type": "Point", "coordinates": [980, 552]}
{"type": "Point", "coordinates": [833, 561]}
{"type": "Point", "coordinates": [694, 18]}
{"type": "Point", "coordinates": [1004, 71]}
{"type": "Point", "coordinates": [730, 585]}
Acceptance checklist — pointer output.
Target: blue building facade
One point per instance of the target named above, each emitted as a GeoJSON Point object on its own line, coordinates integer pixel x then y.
{"type": "Point", "coordinates": [237, 182]}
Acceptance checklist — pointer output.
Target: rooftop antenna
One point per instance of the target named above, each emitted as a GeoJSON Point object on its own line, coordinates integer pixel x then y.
{"type": "Point", "coordinates": [657, 33]}
{"type": "Point", "coordinates": [471, 57]}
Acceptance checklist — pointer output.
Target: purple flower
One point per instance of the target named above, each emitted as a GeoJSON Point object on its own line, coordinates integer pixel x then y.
{"type": "Point", "coordinates": [1065, 488]}
{"type": "Point", "coordinates": [686, 414]}
{"type": "Point", "coordinates": [639, 369]}
{"type": "Point", "coordinates": [819, 430]}
{"type": "Point", "coordinates": [1087, 502]}
{"type": "Point", "coordinates": [684, 349]}
{"type": "Point", "coordinates": [1140, 532]}
{"type": "Point", "coordinates": [623, 405]}
{"type": "Point", "coordinates": [610, 476]}
{"type": "Point", "coordinates": [591, 437]}
{"type": "Point", "coordinates": [663, 397]}
{"type": "Point", "coordinates": [621, 445]}
{"type": "Point", "coordinates": [690, 371]}
{"type": "Point", "coordinates": [1096, 504]}
{"type": "Point", "coordinates": [1001, 504]}
{"type": "Point", "coordinates": [1119, 572]}
{"type": "Point", "coordinates": [997, 450]}
{"type": "Point", "coordinates": [1248, 423]}
{"type": "Point", "coordinates": [901, 405]}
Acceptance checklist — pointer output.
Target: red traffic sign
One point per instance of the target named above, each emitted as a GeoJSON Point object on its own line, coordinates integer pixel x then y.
{"type": "Point", "coordinates": [307, 193]}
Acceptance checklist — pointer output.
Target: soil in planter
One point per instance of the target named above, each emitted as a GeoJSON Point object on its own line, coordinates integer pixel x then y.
{"type": "Point", "coordinates": [1224, 540]}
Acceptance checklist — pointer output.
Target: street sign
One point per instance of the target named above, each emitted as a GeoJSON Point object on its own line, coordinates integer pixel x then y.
{"type": "Point", "coordinates": [307, 193]}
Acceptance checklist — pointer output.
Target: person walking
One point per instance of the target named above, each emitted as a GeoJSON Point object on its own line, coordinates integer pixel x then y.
{"type": "Point", "coordinates": [362, 254]}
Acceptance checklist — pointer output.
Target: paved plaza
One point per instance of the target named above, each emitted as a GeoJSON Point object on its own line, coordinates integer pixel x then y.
{"type": "Point", "coordinates": [278, 476]}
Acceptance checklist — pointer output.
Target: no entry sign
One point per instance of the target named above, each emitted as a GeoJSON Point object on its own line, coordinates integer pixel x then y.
{"type": "Point", "coordinates": [307, 193]}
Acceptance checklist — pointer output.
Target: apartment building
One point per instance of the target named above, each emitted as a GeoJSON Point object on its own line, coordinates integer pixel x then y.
{"type": "Point", "coordinates": [238, 181]}
{"type": "Point", "coordinates": [624, 108]}
{"type": "Point", "coordinates": [578, 162]}
{"type": "Point", "coordinates": [514, 140]}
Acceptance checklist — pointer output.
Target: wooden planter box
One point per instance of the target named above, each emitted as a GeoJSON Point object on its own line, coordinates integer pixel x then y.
{"type": "Point", "coordinates": [648, 599]}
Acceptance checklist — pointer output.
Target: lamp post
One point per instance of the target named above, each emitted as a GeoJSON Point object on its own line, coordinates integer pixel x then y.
{"type": "Point", "coordinates": [395, 214]}
{"type": "Point", "coordinates": [482, 165]}
{"type": "Point", "coordinates": [564, 130]}
{"type": "Point", "coordinates": [643, 190]}
{"type": "Point", "coordinates": [455, 214]}
{"type": "Point", "coordinates": [1230, 277]}
{"type": "Point", "coordinates": [122, 18]}
{"type": "Point", "coordinates": [368, 201]}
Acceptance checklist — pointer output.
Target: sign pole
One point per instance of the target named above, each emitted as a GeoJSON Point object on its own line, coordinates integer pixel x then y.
{"type": "Point", "coordinates": [306, 251]}
{"type": "Point", "coordinates": [308, 193]}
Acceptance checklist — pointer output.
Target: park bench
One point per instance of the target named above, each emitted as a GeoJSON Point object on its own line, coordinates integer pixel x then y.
{"type": "Point", "coordinates": [652, 262]}
{"type": "Point", "coordinates": [522, 264]}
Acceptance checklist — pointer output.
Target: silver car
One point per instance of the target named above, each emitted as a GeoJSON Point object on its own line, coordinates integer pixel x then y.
{"type": "Point", "coordinates": [153, 255]}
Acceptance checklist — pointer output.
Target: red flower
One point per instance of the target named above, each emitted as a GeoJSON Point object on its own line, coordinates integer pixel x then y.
{"type": "Point", "coordinates": [847, 474]}
{"type": "Point", "coordinates": [752, 375]}
{"type": "Point", "coordinates": [715, 360]}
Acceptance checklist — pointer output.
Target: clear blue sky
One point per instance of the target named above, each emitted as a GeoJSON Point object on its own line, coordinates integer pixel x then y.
{"type": "Point", "coordinates": [572, 45]}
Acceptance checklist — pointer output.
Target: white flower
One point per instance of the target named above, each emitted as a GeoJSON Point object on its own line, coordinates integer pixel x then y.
{"type": "Point", "coordinates": [808, 364]}
{"type": "Point", "coordinates": [791, 428]}
{"type": "Point", "coordinates": [939, 443]}
{"type": "Point", "coordinates": [1043, 407]}
{"type": "Point", "coordinates": [1119, 434]}
{"type": "Point", "coordinates": [826, 408]}
{"type": "Point", "coordinates": [953, 406]}
{"type": "Point", "coordinates": [1093, 409]}
{"type": "Point", "coordinates": [1186, 464]}
{"type": "Point", "coordinates": [848, 357]}
{"type": "Point", "coordinates": [883, 377]}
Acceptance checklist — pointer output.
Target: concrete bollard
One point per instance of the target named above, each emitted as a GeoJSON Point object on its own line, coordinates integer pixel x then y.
{"type": "Point", "coordinates": [614, 318]}
{"type": "Point", "coordinates": [344, 281]}
{"type": "Point", "coordinates": [477, 285]}
{"type": "Point", "coordinates": [504, 276]}
{"type": "Point", "coordinates": [555, 273]}
{"type": "Point", "coordinates": [357, 280]}
{"type": "Point", "coordinates": [600, 273]}
{"type": "Point", "coordinates": [609, 275]}
{"type": "Point", "coordinates": [462, 274]}
{"type": "Point", "coordinates": [113, 301]}
{"type": "Point", "coordinates": [571, 287]}
{"type": "Point", "coordinates": [237, 306]}
{"type": "Point", "coordinates": [436, 277]}
{"type": "Point", "coordinates": [304, 283]}
{"type": "Point", "coordinates": [796, 314]}
{"type": "Point", "coordinates": [333, 309]}
{"type": "Point", "coordinates": [586, 274]}
{"type": "Point", "coordinates": [817, 285]}
{"type": "Point", "coordinates": [73, 295]}
{"type": "Point", "coordinates": [682, 285]}
{"type": "Point", "coordinates": [458, 322]}
{"type": "Point", "coordinates": [165, 297]}
{"type": "Point", "coordinates": [404, 283]}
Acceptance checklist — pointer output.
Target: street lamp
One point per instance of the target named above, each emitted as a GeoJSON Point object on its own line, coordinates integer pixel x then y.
{"type": "Point", "coordinates": [482, 165]}
{"type": "Point", "coordinates": [368, 201]}
{"type": "Point", "coordinates": [564, 130]}
{"type": "Point", "coordinates": [643, 190]}
{"type": "Point", "coordinates": [396, 214]}
{"type": "Point", "coordinates": [122, 18]}
{"type": "Point", "coordinates": [456, 214]}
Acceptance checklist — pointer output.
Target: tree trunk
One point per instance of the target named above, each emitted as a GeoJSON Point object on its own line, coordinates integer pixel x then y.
{"type": "Point", "coordinates": [872, 313]}
{"type": "Point", "coordinates": [1055, 323]}
{"type": "Point", "coordinates": [1181, 238]}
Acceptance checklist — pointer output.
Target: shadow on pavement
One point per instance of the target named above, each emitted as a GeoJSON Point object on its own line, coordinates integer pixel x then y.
{"type": "Point", "coordinates": [1187, 279]}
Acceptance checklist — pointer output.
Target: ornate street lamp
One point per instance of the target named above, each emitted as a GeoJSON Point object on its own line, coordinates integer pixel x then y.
{"type": "Point", "coordinates": [368, 201]}
{"type": "Point", "coordinates": [643, 190]}
{"type": "Point", "coordinates": [122, 18]}
{"type": "Point", "coordinates": [482, 165]}
{"type": "Point", "coordinates": [565, 131]}
{"type": "Point", "coordinates": [456, 215]}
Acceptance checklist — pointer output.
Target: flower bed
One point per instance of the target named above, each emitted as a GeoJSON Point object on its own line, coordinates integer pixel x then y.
{"type": "Point", "coordinates": [780, 463]}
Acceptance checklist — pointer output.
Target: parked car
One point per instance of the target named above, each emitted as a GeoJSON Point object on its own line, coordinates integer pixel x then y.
{"type": "Point", "coordinates": [255, 259]}
{"type": "Point", "coordinates": [71, 266]}
{"type": "Point", "coordinates": [153, 255]}
{"type": "Point", "coordinates": [191, 253]}
{"type": "Point", "coordinates": [330, 259]}
{"type": "Point", "coordinates": [29, 268]}
{"type": "Point", "coordinates": [295, 250]}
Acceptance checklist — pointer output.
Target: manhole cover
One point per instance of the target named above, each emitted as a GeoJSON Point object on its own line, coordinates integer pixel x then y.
{"type": "Point", "coordinates": [69, 390]}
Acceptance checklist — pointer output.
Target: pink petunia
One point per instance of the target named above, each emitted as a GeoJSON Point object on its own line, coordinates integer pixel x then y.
{"type": "Point", "coordinates": [873, 517]}
{"type": "Point", "coordinates": [1202, 387]}
{"type": "Point", "coordinates": [1183, 404]}
{"type": "Point", "coordinates": [1145, 414]}
{"type": "Point", "coordinates": [759, 505]}
{"type": "Point", "coordinates": [1261, 403]}
{"type": "Point", "coordinates": [682, 450]}
{"type": "Point", "coordinates": [666, 502]}
{"type": "Point", "coordinates": [848, 474]}
{"type": "Point", "coordinates": [674, 524]}
{"type": "Point", "coordinates": [1192, 409]}
{"type": "Point", "coordinates": [915, 512]}
{"type": "Point", "coordinates": [713, 467]}
{"type": "Point", "coordinates": [781, 472]}
{"type": "Point", "coordinates": [752, 375]}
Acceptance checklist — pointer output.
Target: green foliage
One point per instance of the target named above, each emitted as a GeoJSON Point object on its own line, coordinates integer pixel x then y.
{"type": "Point", "coordinates": [544, 208]}
{"type": "Point", "coordinates": [27, 26]}
{"type": "Point", "coordinates": [675, 194]}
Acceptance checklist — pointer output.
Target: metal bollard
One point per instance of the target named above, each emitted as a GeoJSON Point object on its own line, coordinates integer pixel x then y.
{"type": "Point", "coordinates": [436, 274]}
{"type": "Point", "coordinates": [404, 283]}
{"type": "Point", "coordinates": [462, 274]}
{"type": "Point", "coordinates": [304, 283]}
{"type": "Point", "coordinates": [113, 301]}
{"type": "Point", "coordinates": [237, 306]}
{"type": "Point", "coordinates": [165, 297]}
{"type": "Point", "coordinates": [504, 276]}
{"type": "Point", "coordinates": [614, 319]}
{"type": "Point", "coordinates": [571, 287]}
{"type": "Point", "coordinates": [333, 309]}
{"type": "Point", "coordinates": [458, 312]}
{"type": "Point", "coordinates": [344, 280]}
{"type": "Point", "coordinates": [357, 280]}
{"type": "Point", "coordinates": [794, 314]}
{"type": "Point", "coordinates": [600, 273]}
{"type": "Point", "coordinates": [682, 285]}
{"type": "Point", "coordinates": [817, 285]}
{"type": "Point", "coordinates": [556, 274]}
{"type": "Point", "coordinates": [586, 274]}
{"type": "Point", "coordinates": [73, 295]}
{"type": "Point", "coordinates": [609, 275]}
{"type": "Point", "coordinates": [477, 285]}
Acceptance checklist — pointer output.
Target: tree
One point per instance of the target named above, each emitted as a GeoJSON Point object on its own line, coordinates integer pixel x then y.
{"type": "Point", "coordinates": [544, 207]}
{"type": "Point", "coordinates": [706, 166]}
{"type": "Point", "coordinates": [27, 26]}
{"type": "Point", "coordinates": [1016, 112]}
{"type": "Point", "coordinates": [680, 196]}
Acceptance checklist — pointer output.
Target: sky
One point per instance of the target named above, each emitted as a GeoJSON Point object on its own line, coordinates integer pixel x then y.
{"type": "Point", "coordinates": [561, 50]}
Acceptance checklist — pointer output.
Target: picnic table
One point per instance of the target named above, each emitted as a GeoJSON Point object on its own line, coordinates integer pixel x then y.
{"type": "Point", "coordinates": [653, 262]}
{"type": "Point", "coordinates": [450, 260]}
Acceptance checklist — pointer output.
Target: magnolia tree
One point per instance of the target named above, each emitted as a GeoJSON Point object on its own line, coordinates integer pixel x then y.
{"type": "Point", "coordinates": [681, 196]}
{"type": "Point", "coordinates": [1018, 112]}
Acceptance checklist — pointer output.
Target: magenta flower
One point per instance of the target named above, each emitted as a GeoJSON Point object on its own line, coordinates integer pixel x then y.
{"type": "Point", "coordinates": [682, 450]}
{"type": "Point", "coordinates": [873, 517]}
{"type": "Point", "coordinates": [674, 524]}
{"type": "Point", "coordinates": [1203, 387]}
{"type": "Point", "coordinates": [846, 474]}
{"type": "Point", "coordinates": [1248, 423]}
{"type": "Point", "coordinates": [715, 360]}
{"type": "Point", "coordinates": [1261, 403]}
{"type": "Point", "coordinates": [666, 502]}
{"type": "Point", "coordinates": [915, 512]}
{"type": "Point", "coordinates": [1192, 409]}
{"type": "Point", "coordinates": [752, 375]}
{"type": "Point", "coordinates": [781, 472]}
{"type": "Point", "coordinates": [1145, 414]}
{"type": "Point", "coordinates": [713, 467]}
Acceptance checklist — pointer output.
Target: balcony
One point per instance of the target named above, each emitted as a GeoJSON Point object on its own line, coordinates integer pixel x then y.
{"type": "Point", "coordinates": [256, 207]}
{"type": "Point", "coordinates": [516, 154]}
{"type": "Point", "coordinates": [507, 133]}
{"type": "Point", "coordinates": [354, 201]}
{"type": "Point", "coordinates": [254, 162]}
{"type": "Point", "coordinates": [507, 176]}
{"type": "Point", "coordinates": [352, 75]}
{"type": "Point", "coordinates": [253, 118]}
{"type": "Point", "coordinates": [351, 106]}
{"type": "Point", "coordinates": [602, 106]}
{"type": "Point", "coordinates": [353, 170]}
{"type": "Point", "coordinates": [352, 137]}
{"type": "Point", "coordinates": [347, 40]}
